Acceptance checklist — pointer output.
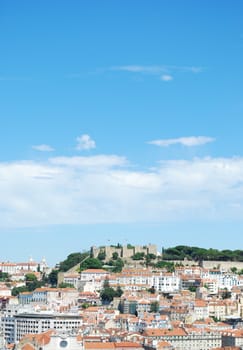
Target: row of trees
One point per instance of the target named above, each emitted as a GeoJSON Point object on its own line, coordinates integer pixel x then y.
{"type": "Point", "coordinates": [31, 283]}
{"type": "Point", "coordinates": [198, 254]}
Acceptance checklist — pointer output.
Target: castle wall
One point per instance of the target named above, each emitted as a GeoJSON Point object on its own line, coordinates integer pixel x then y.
{"type": "Point", "coordinates": [110, 250]}
{"type": "Point", "coordinates": [127, 253]}
{"type": "Point", "coordinates": [223, 265]}
{"type": "Point", "coordinates": [124, 252]}
{"type": "Point", "coordinates": [152, 249]}
{"type": "Point", "coordinates": [140, 249]}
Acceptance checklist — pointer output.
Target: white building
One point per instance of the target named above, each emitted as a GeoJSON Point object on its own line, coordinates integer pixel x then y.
{"type": "Point", "coordinates": [166, 282]}
{"type": "Point", "coordinates": [72, 279]}
{"type": "Point", "coordinates": [93, 274]}
{"type": "Point", "coordinates": [20, 324]}
{"type": "Point", "coordinates": [185, 339]}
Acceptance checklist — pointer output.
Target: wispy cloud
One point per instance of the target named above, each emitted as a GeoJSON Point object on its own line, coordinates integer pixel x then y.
{"type": "Point", "coordinates": [166, 77]}
{"type": "Point", "coordinates": [141, 69]}
{"type": "Point", "coordinates": [185, 141]}
{"type": "Point", "coordinates": [85, 142]}
{"type": "Point", "coordinates": [43, 148]}
{"type": "Point", "coordinates": [164, 72]}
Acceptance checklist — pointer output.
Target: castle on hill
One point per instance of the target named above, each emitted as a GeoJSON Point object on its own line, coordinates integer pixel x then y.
{"type": "Point", "coordinates": [123, 252]}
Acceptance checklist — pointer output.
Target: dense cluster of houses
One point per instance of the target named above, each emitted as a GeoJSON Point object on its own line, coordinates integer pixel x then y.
{"type": "Point", "coordinates": [190, 308]}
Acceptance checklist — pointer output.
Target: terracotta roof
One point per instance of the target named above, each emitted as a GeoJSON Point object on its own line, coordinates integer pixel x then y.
{"type": "Point", "coordinates": [200, 303]}
{"type": "Point", "coordinates": [98, 345]}
{"type": "Point", "coordinates": [163, 344]}
{"type": "Point", "coordinates": [165, 332]}
{"type": "Point", "coordinates": [28, 347]}
{"type": "Point", "coordinates": [127, 344]}
{"type": "Point", "coordinates": [228, 348]}
{"type": "Point", "coordinates": [42, 338]}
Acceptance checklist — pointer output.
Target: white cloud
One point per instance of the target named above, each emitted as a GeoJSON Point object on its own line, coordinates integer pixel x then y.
{"type": "Point", "coordinates": [43, 148]}
{"type": "Point", "coordinates": [185, 141]}
{"type": "Point", "coordinates": [103, 189]}
{"type": "Point", "coordinates": [99, 161]}
{"type": "Point", "coordinates": [194, 69]}
{"type": "Point", "coordinates": [166, 77]}
{"type": "Point", "coordinates": [85, 142]}
{"type": "Point", "coordinates": [141, 69]}
{"type": "Point", "coordinates": [163, 72]}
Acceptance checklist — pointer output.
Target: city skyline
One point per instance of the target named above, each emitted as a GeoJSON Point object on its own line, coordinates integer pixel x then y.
{"type": "Point", "coordinates": [121, 122]}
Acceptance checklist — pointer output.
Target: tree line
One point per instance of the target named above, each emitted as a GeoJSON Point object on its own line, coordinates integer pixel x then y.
{"type": "Point", "coordinates": [182, 252]}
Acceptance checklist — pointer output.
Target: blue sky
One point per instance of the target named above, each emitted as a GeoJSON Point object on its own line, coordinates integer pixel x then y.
{"type": "Point", "coordinates": [121, 121]}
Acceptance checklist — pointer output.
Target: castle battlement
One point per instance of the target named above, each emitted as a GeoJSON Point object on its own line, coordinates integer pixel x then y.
{"type": "Point", "coordinates": [123, 252]}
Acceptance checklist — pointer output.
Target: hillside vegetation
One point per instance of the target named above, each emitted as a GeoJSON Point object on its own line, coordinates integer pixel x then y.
{"type": "Point", "coordinates": [86, 261]}
{"type": "Point", "coordinates": [182, 252]}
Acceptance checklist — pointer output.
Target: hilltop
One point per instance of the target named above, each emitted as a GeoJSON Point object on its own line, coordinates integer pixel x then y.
{"type": "Point", "coordinates": [114, 257]}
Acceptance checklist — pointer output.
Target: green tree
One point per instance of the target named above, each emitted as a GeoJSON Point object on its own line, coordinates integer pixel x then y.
{"type": "Point", "coordinates": [17, 290]}
{"type": "Point", "coordinates": [115, 256]}
{"type": "Point", "coordinates": [33, 285]}
{"type": "Point", "coordinates": [91, 263]}
{"type": "Point", "coordinates": [31, 282]}
{"type": "Point", "coordinates": [30, 277]}
{"type": "Point", "coordinates": [101, 255]}
{"type": "Point", "coordinates": [130, 246]}
{"type": "Point", "coordinates": [149, 257]}
{"type": "Point", "coordinates": [138, 256]}
{"type": "Point", "coordinates": [108, 293]}
{"type": "Point", "coordinates": [4, 276]}
{"type": "Point", "coordinates": [65, 285]}
{"type": "Point", "coordinates": [72, 260]}
{"type": "Point", "coordinates": [197, 254]}
{"type": "Point", "coordinates": [52, 278]}
{"type": "Point", "coordinates": [169, 266]}
{"type": "Point", "coordinates": [119, 292]}
{"type": "Point", "coordinates": [118, 266]}
{"type": "Point", "coordinates": [154, 307]}
{"type": "Point", "coordinates": [152, 290]}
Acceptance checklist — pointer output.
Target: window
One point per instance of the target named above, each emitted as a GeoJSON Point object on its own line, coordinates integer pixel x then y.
{"type": "Point", "coordinates": [63, 344]}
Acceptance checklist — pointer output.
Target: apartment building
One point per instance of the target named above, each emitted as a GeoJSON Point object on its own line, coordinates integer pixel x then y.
{"type": "Point", "coordinates": [51, 296]}
{"type": "Point", "coordinates": [166, 282]}
{"type": "Point", "coordinates": [184, 339]}
{"type": "Point", "coordinates": [93, 274]}
{"type": "Point", "coordinates": [233, 338]}
{"type": "Point", "coordinates": [200, 310]}
{"type": "Point", "coordinates": [17, 326]}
